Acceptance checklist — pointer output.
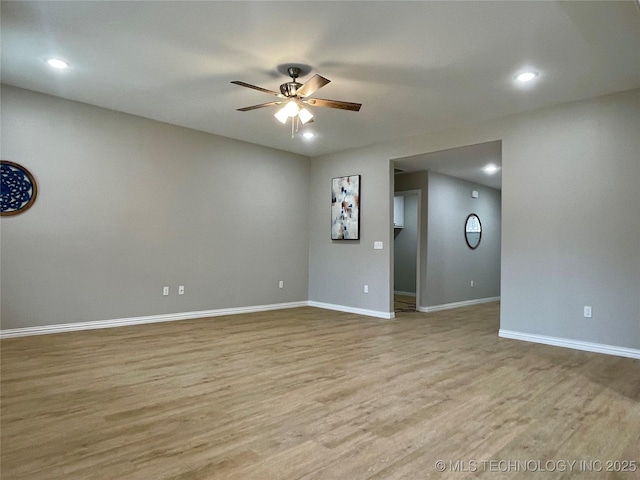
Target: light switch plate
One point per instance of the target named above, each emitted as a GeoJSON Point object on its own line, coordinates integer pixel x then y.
{"type": "Point", "coordinates": [377, 245]}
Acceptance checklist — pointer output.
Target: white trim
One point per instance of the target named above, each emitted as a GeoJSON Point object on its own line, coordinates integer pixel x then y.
{"type": "Point", "coordinates": [568, 343]}
{"type": "Point", "coordinates": [407, 294]}
{"type": "Point", "coordinates": [122, 322]}
{"type": "Point", "coordinates": [359, 311]}
{"type": "Point", "coordinates": [172, 317]}
{"type": "Point", "coordinates": [449, 306]}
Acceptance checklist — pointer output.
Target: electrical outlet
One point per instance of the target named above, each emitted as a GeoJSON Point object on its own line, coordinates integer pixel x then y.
{"type": "Point", "coordinates": [587, 311]}
{"type": "Point", "coordinates": [281, 284]}
{"type": "Point", "coordinates": [165, 291]}
{"type": "Point", "coordinates": [472, 283]}
{"type": "Point", "coordinates": [181, 290]}
{"type": "Point", "coordinates": [366, 289]}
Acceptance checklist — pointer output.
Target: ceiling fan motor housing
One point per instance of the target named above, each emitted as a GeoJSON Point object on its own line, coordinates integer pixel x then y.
{"type": "Point", "coordinates": [289, 89]}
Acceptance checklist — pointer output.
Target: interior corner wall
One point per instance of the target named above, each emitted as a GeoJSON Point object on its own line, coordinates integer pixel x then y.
{"type": "Point", "coordinates": [163, 205]}
{"type": "Point", "coordinates": [127, 205]}
{"type": "Point", "coordinates": [451, 264]}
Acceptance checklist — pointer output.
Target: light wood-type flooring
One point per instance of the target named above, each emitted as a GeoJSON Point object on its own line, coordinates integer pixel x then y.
{"type": "Point", "coordinates": [313, 394]}
{"type": "Point", "coordinates": [404, 303]}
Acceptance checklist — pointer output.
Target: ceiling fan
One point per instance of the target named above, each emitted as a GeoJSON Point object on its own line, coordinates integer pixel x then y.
{"type": "Point", "coordinates": [295, 96]}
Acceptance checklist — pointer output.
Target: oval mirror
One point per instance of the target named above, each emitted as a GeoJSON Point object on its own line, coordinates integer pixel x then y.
{"type": "Point", "coordinates": [473, 231]}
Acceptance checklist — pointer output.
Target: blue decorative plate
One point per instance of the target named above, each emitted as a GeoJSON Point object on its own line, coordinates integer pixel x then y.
{"type": "Point", "coordinates": [19, 189]}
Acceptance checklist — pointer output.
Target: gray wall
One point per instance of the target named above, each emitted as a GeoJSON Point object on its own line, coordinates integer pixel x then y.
{"type": "Point", "coordinates": [338, 269]}
{"type": "Point", "coordinates": [570, 223]}
{"type": "Point", "coordinates": [418, 181]}
{"type": "Point", "coordinates": [405, 247]}
{"type": "Point", "coordinates": [128, 205]}
{"type": "Point", "coordinates": [447, 264]}
{"type": "Point", "coordinates": [451, 264]}
{"type": "Point", "coordinates": [160, 205]}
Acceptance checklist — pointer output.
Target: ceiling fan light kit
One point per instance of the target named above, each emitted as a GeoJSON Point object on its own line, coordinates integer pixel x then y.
{"type": "Point", "coordinates": [305, 115]}
{"type": "Point", "coordinates": [291, 109]}
{"type": "Point", "coordinates": [294, 95]}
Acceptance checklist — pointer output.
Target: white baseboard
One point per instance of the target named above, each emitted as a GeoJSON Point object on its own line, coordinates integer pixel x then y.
{"type": "Point", "coordinates": [172, 317]}
{"type": "Point", "coordinates": [449, 306]}
{"type": "Point", "coordinates": [358, 311]}
{"type": "Point", "coordinates": [122, 322]}
{"type": "Point", "coordinates": [568, 343]}
{"type": "Point", "coordinates": [407, 294]}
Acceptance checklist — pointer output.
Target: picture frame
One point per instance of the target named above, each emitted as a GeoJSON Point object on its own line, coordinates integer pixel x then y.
{"type": "Point", "coordinates": [19, 188]}
{"type": "Point", "coordinates": [345, 208]}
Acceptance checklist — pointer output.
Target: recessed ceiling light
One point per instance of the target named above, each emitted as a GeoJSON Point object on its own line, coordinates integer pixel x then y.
{"type": "Point", "coordinates": [308, 135]}
{"type": "Point", "coordinates": [57, 63]}
{"type": "Point", "coordinates": [525, 77]}
{"type": "Point", "coordinates": [491, 169]}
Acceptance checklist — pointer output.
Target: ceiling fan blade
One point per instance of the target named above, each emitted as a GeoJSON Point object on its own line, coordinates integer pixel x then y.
{"type": "Point", "coordinates": [311, 86]}
{"type": "Point", "coordinates": [320, 102]}
{"type": "Point", "coordinates": [253, 107]}
{"type": "Point", "coordinates": [248, 85]}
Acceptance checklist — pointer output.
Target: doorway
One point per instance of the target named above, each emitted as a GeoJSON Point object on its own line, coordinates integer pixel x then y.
{"type": "Point", "coordinates": [453, 183]}
{"type": "Point", "coordinates": [406, 251]}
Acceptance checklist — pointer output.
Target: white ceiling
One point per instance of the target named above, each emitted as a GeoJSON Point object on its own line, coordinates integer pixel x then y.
{"type": "Point", "coordinates": [415, 66]}
{"type": "Point", "coordinates": [463, 162]}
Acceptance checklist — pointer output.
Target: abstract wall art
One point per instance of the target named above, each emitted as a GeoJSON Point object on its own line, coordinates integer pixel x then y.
{"type": "Point", "coordinates": [18, 188]}
{"type": "Point", "coordinates": [345, 208]}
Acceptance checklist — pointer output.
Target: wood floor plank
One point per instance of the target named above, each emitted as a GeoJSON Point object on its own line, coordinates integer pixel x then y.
{"type": "Point", "coordinates": [310, 394]}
